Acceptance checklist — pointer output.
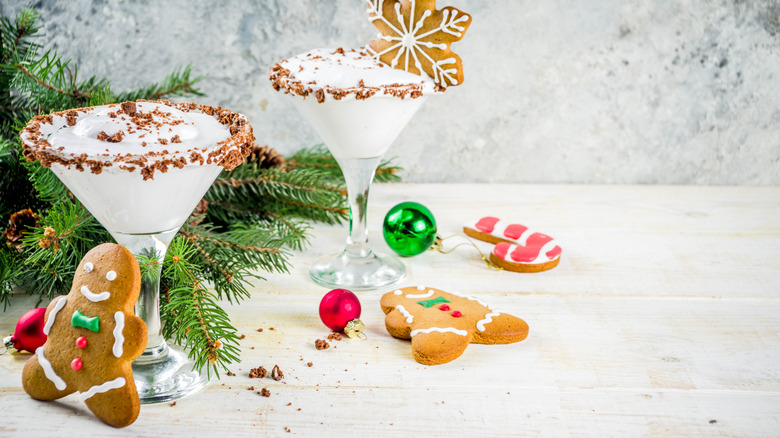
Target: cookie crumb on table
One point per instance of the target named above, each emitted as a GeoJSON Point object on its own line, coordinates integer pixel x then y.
{"type": "Point", "coordinates": [335, 336]}
{"type": "Point", "coordinates": [265, 392]}
{"type": "Point", "coordinates": [257, 373]}
{"type": "Point", "coordinates": [173, 404]}
{"type": "Point", "coordinates": [321, 344]}
{"type": "Point", "coordinates": [310, 364]}
{"type": "Point", "coordinates": [276, 373]}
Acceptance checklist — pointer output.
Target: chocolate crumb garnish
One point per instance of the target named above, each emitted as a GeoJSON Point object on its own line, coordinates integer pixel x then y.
{"type": "Point", "coordinates": [276, 373]}
{"type": "Point", "coordinates": [228, 153]}
{"type": "Point", "coordinates": [257, 373]}
{"type": "Point", "coordinates": [265, 392]}
{"type": "Point", "coordinates": [116, 138]}
{"type": "Point", "coordinates": [162, 141]}
{"type": "Point", "coordinates": [102, 136]}
{"type": "Point", "coordinates": [282, 79]}
{"type": "Point", "coordinates": [128, 108]}
{"type": "Point", "coordinates": [175, 139]}
{"type": "Point", "coordinates": [71, 117]}
{"type": "Point", "coordinates": [321, 344]}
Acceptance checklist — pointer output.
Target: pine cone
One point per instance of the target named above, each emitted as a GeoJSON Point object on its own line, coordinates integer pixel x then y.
{"type": "Point", "coordinates": [19, 223]}
{"type": "Point", "coordinates": [264, 157]}
{"type": "Point", "coordinates": [199, 213]}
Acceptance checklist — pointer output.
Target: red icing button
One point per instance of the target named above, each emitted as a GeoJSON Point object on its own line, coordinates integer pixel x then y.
{"type": "Point", "coordinates": [444, 307]}
{"type": "Point", "coordinates": [76, 364]}
{"type": "Point", "coordinates": [81, 342]}
{"type": "Point", "coordinates": [457, 314]}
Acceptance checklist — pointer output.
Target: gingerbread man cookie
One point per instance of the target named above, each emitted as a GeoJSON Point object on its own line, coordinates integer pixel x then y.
{"type": "Point", "coordinates": [416, 37]}
{"type": "Point", "coordinates": [441, 325]}
{"type": "Point", "coordinates": [518, 248]}
{"type": "Point", "coordinates": [93, 338]}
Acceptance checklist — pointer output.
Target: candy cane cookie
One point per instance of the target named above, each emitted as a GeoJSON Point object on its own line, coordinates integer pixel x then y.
{"type": "Point", "coordinates": [518, 248]}
{"type": "Point", "coordinates": [441, 324]}
{"type": "Point", "coordinates": [93, 338]}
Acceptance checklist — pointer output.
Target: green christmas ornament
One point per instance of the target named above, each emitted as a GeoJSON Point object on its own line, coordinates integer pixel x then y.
{"type": "Point", "coordinates": [409, 228]}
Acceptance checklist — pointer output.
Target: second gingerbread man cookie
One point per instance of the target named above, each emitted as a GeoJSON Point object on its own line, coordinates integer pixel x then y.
{"type": "Point", "coordinates": [93, 338]}
{"type": "Point", "coordinates": [441, 325]}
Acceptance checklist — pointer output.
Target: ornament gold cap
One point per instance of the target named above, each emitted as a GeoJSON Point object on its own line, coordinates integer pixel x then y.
{"type": "Point", "coordinates": [8, 343]}
{"type": "Point", "coordinates": [354, 329]}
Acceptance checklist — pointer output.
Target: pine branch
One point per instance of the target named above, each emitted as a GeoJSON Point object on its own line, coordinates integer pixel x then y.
{"type": "Point", "coordinates": [53, 250]}
{"type": "Point", "coordinates": [305, 193]}
{"type": "Point", "coordinates": [197, 321]}
{"type": "Point", "coordinates": [177, 83]}
{"type": "Point", "coordinates": [318, 157]}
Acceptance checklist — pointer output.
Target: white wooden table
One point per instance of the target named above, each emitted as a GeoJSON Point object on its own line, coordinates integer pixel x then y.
{"type": "Point", "coordinates": [662, 318]}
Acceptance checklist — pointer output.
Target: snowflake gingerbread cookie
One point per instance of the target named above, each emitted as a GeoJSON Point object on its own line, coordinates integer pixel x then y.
{"type": "Point", "coordinates": [441, 324]}
{"type": "Point", "coordinates": [416, 37]}
{"type": "Point", "coordinates": [93, 338]}
{"type": "Point", "coordinates": [518, 248]}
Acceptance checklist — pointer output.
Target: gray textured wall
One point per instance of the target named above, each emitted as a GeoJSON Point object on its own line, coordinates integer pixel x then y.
{"type": "Point", "coordinates": [594, 91]}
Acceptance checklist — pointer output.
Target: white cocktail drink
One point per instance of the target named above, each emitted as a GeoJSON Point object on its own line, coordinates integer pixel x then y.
{"type": "Point", "coordinates": [141, 168]}
{"type": "Point", "coordinates": [358, 106]}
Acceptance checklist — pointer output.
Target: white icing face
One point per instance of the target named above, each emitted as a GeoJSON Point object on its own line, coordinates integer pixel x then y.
{"type": "Point", "coordinates": [111, 275]}
{"type": "Point", "coordinates": [88, 267]}
{"type": "Point", "coordinates": [95, 298]}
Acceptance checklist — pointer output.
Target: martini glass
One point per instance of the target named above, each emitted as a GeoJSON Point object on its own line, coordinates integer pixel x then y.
{"type": "Point", "coordinates": [143, 214]}
{"type": "Point", "coordinates": [358, 133]}
{"type": "Point", "coordinates": [162, 373]}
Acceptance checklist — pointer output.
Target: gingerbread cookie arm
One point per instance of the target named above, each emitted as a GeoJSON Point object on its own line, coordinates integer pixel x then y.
{"type": "Point", "coordinates": [114, 401]}
{"type": "Point", "coordinates": [132, 346]}
{"type": "Point", "coordinates": [438, 345]}
{"type": "Point", "coordinates": [500, 328]}
{"type": "Point", "coordinates": [40, 370]}
{"type": "Point", "coordinates": [398, 322]}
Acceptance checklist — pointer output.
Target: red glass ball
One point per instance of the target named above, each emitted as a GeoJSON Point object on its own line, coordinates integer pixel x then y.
{"type": "Point", "coordinates": [338, 307]}
{"type": "Point", "coordinates": [28, 334]}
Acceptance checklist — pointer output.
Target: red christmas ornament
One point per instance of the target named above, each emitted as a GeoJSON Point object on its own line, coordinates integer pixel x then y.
{"type": "Point", "coordinates": [29, 331]}
{"type": "Point", "coordinates": [340, 310]}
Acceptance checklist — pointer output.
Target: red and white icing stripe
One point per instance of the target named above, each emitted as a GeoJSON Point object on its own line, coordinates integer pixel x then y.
{"type": "Point", "coordinates": [528, 255]}
{"type": "Point", "coordinates": [530, 247]}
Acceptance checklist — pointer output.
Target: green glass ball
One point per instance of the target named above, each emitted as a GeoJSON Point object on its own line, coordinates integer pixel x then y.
{"type": "Point", "coordinates": [409, 228]}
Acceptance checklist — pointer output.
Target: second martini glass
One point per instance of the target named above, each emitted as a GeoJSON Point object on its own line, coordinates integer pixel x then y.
{"type": "Point", "coordinates": [142, 194]}
{"type": "Point", "coordinates": [359, 109]}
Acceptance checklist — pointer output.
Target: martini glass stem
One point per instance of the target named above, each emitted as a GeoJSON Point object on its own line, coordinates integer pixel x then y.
{"type": "Point", "coordinates": [147, 307]}
{"type": "Point", "coordinates": [358, 174]}
{"type": "Point", "coordinates": [161, 373]}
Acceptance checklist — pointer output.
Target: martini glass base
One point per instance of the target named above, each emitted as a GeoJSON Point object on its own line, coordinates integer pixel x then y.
{"type": "Point", "coordinates": [165, 374]}
{"type": "Point", "coordinates": [357, 273]}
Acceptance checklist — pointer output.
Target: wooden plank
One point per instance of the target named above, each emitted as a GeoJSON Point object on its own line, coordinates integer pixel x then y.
{"type": "Point", "coordinates": [663, 318]}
